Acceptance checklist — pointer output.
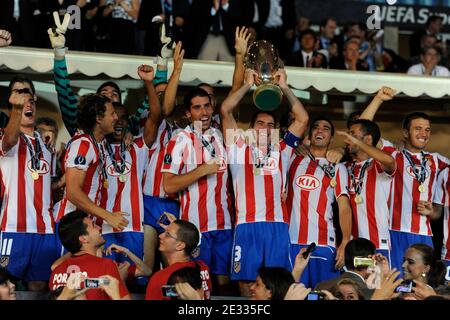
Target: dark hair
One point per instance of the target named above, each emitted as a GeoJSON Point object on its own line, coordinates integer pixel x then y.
{"type": "Point", "coordinates": [369, 128]}
{"type": "Point", "coordinates": [324, 22]}
{"type": "Point", "coordinates": [204, 84]}
{"type": "Point", "coordinates": [359, 247]}
{"type": "Point", "coordinates": [425, 49]}
{"type": "Point", "coordinates": [257, 113]}
{"type": "Point", "coordinates": [110, 84]}
{"type": "Point", "coordinates": [120, 105]}
{"type": "Point", "coordinates": [432, 19]}
{"type": "Point", "coordinates": [70, 228]}
{"type": "Point", "coordinates": [352, 117]}
{"type": "Point", "coordinates": [189, 234]}
{"type": "Point", "coordinates": [437, 267]}
{"type": "Point", "coordinates": [321, 118]}
{"type": "Point", "coordinates": [46, 122]}
{"type": "Point", "coordinates": [196, 92]}
{"type": "Point", "coordinates": [306, 32]}
{"type": "Point", "coordinates": [412, 116]}
{"type": "Point", "coordinates": [90, 106]}
{"type": "Point", "coordinates": [21, 79]}
{"type": "Point", "coordinates": [277, 280]}
{"type": "Point", "coordinates": [190, 275]}
{"type": "Point", "coordinates": [4, 275]}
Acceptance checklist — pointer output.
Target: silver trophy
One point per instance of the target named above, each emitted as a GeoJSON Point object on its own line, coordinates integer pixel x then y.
{"type": "Point", "coordinates": [263, 58]}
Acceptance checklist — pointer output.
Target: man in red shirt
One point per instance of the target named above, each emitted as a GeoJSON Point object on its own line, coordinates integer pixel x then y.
{"type": "Point", "coordinates": [81, 237]}
{"type": "Point", "coordinates": [177, 244]}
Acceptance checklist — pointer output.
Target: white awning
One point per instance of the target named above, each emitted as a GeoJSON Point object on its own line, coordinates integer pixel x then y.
{"type": "Point", "coordinates": [117, 66]}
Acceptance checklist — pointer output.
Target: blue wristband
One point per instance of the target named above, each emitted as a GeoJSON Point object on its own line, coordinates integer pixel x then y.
{"type": "Point", "coordinates": [292, 140]}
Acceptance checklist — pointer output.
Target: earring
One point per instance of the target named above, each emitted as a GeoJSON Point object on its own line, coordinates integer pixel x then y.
{"type": "Point", "coordinates": [424, 274]}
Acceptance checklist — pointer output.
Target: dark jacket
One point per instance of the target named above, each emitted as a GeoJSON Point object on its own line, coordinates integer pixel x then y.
{"type": "Point", "coordinates": [296, 59]}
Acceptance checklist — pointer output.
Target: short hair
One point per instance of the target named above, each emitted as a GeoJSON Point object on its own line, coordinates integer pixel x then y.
{"type": "Point", "coordinates": [196, 92]}
{"type": "Point", "coordinates": [353, 117]}
{"type": "Point", "coordinates": [257, 113]}
{"type": "Point", "coordinates": [70, 228]}
{"type": "Point", "coordinates": [21, 79]}
{"type": "Point", "coordinates": [4, 275]}
{"type": "Point", "coordinates": [189, 234]}
{"type": "Point", "coordinates": [120, 105]}
{"type": "Point", "coordinates": [425, 49]}
{"type": "Point", "coordinates": [90, 106]}
{"type": "Point", "coordinates": [47, 122]}
{"type": "Point", "coordinates": [432, 19]}
{"type": "Point", "coordinates": [306, 32]}
{"type": "Point", "coordinates": [351, 282]}
{"type": "Point", "coordinates": [350, 41]}
{"type": "Point", "coordinates": [321, 118]}
{"type": "Point", "coordinates": [369, 128]}
{"type": "Point", "coordinates": [437, 267]}
{"type": "Point", "coordinates": [324, 22]}
{"type": "Point", "coordinates": [413, 116]}
{"type": "Point", "coordinates": [110, 84]}
{"type": "Point", "coordinates": [277, 280]}
{"type": "Point", "coordinates": [204, 84]}
{"type": "Point", "coordinates": [359, 247]}
{"type": "Point", "coordinates": [190, 275]}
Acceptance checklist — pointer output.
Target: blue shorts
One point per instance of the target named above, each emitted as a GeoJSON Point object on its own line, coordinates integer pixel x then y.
{"type": "Point", "coordinates": [28, 256]}
{"type": "Point", "coordinates": [154, 207]}
{"type": "Point", "coordinates": [400, 241]}
{"type": "Point", "coordinates": [215, 251]}
{"type": "Point", "coordinates": [260, 244]}
{"type": "Point", "coordinates": [320, 266]}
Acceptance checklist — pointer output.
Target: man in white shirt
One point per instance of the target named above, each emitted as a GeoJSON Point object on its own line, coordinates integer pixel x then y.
{"type": "Point", "coordinates": [429, 58]}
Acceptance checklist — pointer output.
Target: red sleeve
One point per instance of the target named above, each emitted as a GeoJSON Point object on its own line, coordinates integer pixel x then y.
{"type": "Point", "coordinates": [111, 269]}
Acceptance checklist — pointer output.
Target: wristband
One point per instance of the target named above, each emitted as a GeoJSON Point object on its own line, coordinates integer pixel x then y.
{"type": "Point", "coordinates": [292, 140]}
{"type": "Point", "coordinates": [60, 52]}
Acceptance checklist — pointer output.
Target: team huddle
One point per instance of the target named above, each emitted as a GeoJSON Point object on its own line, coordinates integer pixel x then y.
{"type": "Point", "coordinates": [256, 197]}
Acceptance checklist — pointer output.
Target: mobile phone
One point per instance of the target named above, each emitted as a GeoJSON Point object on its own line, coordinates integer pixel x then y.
{"type": "Point", "coordinates": [363, 262]}
{"type": "Point", "coordinates": [94, 283]}
{"type": "Point", "coordinates": [315, 295]}
{"type": "Point", "coordinates": [405, 287]}
{"type": "Point", "coordinates": [163, 219]}
{"type": "Point", "coordinates": [309, 250]}
{"type": "Point", "coordinates": [169, 291]}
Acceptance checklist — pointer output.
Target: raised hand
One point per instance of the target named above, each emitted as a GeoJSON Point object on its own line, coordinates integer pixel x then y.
{"type": "Point", "coordinates": [56, 36]}
{"type": "Point", "coordinates": [242, 35]}
{"type": "Point", "coordinates": [281, 77]}
{"type": "Point", "coordinates": [348, 139]}
{"type": "Point", "coordinates": [250, 76]}
{"type": "Point", "coordinates": [5, 38]}
{"type": "Point", "coordinates": [178, 56]}
{"type": "Point", "coordinates": [17, 100]}
{"type": "Point", "coordinates": [146, 72]}
{"type": "Point", "coordinates": [385, 94]}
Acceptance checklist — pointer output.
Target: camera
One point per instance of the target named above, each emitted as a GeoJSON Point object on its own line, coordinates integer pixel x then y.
{"type": "Point", "coordinates": [363, 262]}
{"type": "Point", "coordinates": [163, 219]}
{"type": "Point", "coordinates": [405, 287]}
{"type": "Point", "coordinates": [94, 283]}
{"type": "Point", "coordinates": [169, 291]}
{"type": "Point", "coordinates": [315, 295]}
{"type": "Point", "coordinates": [309, 250]}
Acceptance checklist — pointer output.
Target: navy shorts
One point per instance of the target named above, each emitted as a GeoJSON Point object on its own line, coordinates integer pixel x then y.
{"type": "Point", "coordinates": [154, 207]}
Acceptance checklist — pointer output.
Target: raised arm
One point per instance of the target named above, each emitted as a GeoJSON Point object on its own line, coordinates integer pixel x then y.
{"type": "Point", "coordinates": [384, 94]}
{"type": "Point", "coordinates": [12, 130]}
{"type": "Point", "coordinates": [241, 40]}
{"type": "Point", "coordinates": [171, 91]}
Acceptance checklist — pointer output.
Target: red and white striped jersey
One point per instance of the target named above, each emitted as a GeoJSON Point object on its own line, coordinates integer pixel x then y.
{"type": "Point", "coordinates": [27, 203]}
{"type": "Point", "coordinates": [258, 190]}
{"type": "Point", "coordinates": [126, 195]}
{"type": "Point", "coordinates": [205, 203]}
{"type": "Point", "coordinates": [82, 154]}
{"type": "Point", "coordinates": [406, 194]}
{"type": "Point", "coordinates": [371, 216]}
{"type": "Point", "coordinates": [442, 197]}
{"type": "Point", "coordinates": [153, 176]}
{"type": "Point", "coordinates": [309, 201]}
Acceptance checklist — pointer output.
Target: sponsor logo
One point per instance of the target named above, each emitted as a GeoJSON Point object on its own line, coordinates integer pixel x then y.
{"type": "Point", "coordinates": [44, 167]}
{"type": "Point", "coordinates": [308, 182]}
{"type": "Point", "coordinates": [410, 171]}
{"type": "Point", "coordinates": [111, 171]}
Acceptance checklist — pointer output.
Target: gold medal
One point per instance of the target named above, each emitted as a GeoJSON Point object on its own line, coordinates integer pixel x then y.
{"type": "Point", "coordinates": [421, 188]}
{"type": "Point", "coordinates": [35, 175]}
{"type": "Point", "coordinates": [333, 183]}
{"type": "Point", "coordinates": [358, 199]}
{"type": "Point", "coordinates": [105, 184]}
{"type": "Point", "coordinates": [122, 178]}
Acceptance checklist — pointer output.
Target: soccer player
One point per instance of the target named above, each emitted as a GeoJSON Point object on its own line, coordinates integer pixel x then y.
{"type": "Point", "coordinates": [312, 189]}
{"type": "Point", "coordinates": [28, 245]}
{"type": "Point", "coordinates": [258, 172]}
{"type": "Point", "coordinates": [85, 162]}
{"type": "Point", "coordinates": [369, 175]}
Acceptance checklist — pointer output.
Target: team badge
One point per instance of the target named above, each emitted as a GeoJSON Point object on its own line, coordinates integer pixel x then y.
{"type": "Point", "coordinates": [196, 253]}
{"type": "Point", "coordinates": [4, 261]}
{"type": "Point", "coordinates": [167, 159]}
{"type": "Point", "coordinates": [237, 266]}
{"type": "Point", "coordinates": [80, 160]}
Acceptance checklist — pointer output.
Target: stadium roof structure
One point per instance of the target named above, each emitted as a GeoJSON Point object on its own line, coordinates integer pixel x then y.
{"type": "Point", "coordinates": [116, 66]}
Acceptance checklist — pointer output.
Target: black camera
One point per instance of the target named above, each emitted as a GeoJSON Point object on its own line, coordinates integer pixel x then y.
{"type": "Point", "coordinates": [315, 295]}
{"type": "Point", "coordinates": [169, 291]}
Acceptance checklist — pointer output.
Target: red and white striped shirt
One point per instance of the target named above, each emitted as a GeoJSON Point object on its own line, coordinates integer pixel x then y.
{"type": "Point", "coordinates": [83, 155]}
{"type": "Point", "coordinates": [442, 197]}
{"type": "Point", "coordinates": [153, 176]}
{"type": "Point", "coordinates": [258, 194]}
{"type": "Point", "coordinates": [205, 203]}
{"type": "Point", "coordinates": [27, 203]}
{"type": "Point", "coordinates": [126, 196]}
{"type": "Point", "coordinates": [309, 201]}
{"type": "Point", "coordinates": [371, 216]}
{"type": "Point", "coordinates": [406, 194]}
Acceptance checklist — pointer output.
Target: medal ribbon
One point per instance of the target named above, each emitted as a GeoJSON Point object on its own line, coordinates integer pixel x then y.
{"type": "Point", "coordinates": [120, 168]}
{"type": "Point", "coordinates": [101, 157]}
{"type": "Point", "coordinates": [420, 176]}
{"type": "Point", "coordinates": [327, 168]}
{"type": "Point", "coordinates": [34, 154]}
{"type": "Point", "coordinates": [358, 186]}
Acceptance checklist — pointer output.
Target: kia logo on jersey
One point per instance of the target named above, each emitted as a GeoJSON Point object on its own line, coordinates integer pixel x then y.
{"type": "Point", "coordinates": [44, 167]}
{"type": "Point", "coordinates": [111, 171]}
{"type": "Point", "coordinates": [307, 182]}
{"type": "Point", "coordinates": [269, 164]}
{"type": "Point", "coordinates": [410, 171]}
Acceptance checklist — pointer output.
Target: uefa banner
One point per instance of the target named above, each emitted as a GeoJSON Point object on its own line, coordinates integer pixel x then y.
{"type": "Point", "coordinates": [405, 14]}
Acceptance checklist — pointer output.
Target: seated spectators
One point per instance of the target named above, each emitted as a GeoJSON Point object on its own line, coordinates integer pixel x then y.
{"type": "Point", "coordinates": [428, 66]}
{"type": "Point", "coordinates": [307, 56]}
{"type": "Point", "coordinates": [350, 59]}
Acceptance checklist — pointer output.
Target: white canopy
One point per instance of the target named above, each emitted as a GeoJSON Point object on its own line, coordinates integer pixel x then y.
{"type": "Point", "coordinates": [117, 66]}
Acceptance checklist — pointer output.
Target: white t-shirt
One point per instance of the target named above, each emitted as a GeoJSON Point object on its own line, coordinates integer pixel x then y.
{"type": "Point", "coordinates": [419, 69]}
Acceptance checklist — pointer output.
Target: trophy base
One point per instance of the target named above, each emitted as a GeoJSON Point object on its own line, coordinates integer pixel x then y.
{"type": "Point", "coordinates": [267, 97]}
